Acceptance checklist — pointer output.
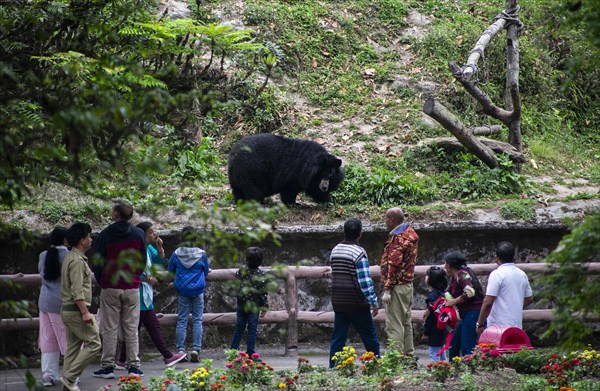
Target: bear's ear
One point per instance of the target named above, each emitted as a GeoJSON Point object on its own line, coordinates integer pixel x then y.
{"type": "Point", "coordinates": [337, 163]}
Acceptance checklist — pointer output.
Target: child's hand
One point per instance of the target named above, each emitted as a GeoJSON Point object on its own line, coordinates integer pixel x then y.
{"type": "Point", "coordinates": [426, 314]}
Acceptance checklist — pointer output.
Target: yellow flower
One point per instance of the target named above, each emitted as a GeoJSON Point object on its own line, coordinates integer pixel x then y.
{"type": "Point", "coordinates": [201, 384]}
{"type": "Point", "coordinates": [282, 385]}
{"type": "Point", "coordinates": [456, 359]}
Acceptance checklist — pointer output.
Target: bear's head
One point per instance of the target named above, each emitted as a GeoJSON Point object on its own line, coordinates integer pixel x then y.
{"type": "Point", "coordinates": [328, 172]}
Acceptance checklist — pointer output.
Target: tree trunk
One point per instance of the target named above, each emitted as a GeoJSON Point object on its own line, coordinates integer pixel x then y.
{"type": "Point", "coordinates": [438, 112]}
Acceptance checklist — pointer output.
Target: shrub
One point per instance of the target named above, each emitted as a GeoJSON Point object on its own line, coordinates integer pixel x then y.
{"type": "Point", "coordinates": [369, 363]}
{"type": "Point", "coordinates": [344, 361]}
{"type": "Point", "coordinates": [382, 187]}
{"type": "Point", "coordinates": [242, 369]}
{"type": "Point", "coordinates": [484, 357]}
{"type": "Point", "coordinates": [441, 370]}
{"type": "Point", "coordinates": [527, 361]}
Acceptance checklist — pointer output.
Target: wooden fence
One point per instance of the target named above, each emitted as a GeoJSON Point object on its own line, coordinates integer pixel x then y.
{"type": "Point", "coordinates": [291, 316]}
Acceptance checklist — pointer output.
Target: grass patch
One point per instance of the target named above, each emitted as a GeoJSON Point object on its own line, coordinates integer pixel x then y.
{"type": "Point", "coordinates": [518, 210]}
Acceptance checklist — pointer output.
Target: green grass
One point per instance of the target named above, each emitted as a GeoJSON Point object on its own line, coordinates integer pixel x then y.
{"type": "Point", "coordinates": [339, 57]}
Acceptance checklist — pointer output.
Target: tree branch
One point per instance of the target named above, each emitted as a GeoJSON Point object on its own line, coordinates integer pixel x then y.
{"type": "Point", "coordinates": [470, 67]}
{"type": "Point", "coordinates": [473, 89]}
{"type": "Point", "coordinates": [438, 112]}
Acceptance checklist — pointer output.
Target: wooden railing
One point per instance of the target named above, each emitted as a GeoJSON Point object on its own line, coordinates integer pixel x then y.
{"type": "Point", "coordinates": [291, 316]}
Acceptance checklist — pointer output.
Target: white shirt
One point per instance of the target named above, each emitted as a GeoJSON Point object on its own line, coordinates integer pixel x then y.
{"type": "Point", "coordinates": [510, 286]}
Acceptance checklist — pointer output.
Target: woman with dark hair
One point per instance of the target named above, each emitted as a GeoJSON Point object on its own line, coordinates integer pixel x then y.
{"type": "Point", "coordinates": [52, 339]}
{"type": "Point", "coordinates": [468, 296]}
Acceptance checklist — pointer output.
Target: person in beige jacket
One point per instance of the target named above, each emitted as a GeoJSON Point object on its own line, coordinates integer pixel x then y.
{"type": "Point", "coordinates": [76, 297]}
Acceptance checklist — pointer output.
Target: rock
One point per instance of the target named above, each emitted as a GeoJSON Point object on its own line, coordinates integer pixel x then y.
{"type": "Point", "coordinates": [416, 19]}
{"type": "Point", "coordinates": [175, 9]}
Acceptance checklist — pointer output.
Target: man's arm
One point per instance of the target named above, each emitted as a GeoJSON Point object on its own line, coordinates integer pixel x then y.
{"type": "Point", "coordinates": [76, 275]}
{"type": "Point", "coordinates": [486, 307]}
{"type": "Point", "coordinates": [85, 314]}
{"type": "Point", "coordinates": [527, 301]}
{"type": "Point", "coordinates": [365, 281]}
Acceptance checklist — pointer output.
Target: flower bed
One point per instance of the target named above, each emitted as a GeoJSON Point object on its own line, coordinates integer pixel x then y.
{"type": "Point", "coordinates": [486, 368]}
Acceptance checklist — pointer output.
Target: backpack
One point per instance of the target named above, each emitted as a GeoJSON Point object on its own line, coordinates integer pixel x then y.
{"type": "Point", "coordinates": [447, 318]}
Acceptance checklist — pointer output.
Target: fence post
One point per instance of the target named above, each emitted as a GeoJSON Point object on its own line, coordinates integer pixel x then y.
{"type": "Point", "coordinates": [291, 347]}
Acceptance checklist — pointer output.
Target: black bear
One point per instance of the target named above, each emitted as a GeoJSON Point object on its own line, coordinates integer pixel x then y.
{"type": "Point", "coordinates": [265, 164]}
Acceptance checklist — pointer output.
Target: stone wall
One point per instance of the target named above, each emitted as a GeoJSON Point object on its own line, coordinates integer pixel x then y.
{"type": "Point", "coordinates": [311, 246]}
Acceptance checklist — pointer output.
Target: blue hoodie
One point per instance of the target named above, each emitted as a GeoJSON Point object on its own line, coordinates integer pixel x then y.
{"type": "Point", "coordinates": [190, 266]}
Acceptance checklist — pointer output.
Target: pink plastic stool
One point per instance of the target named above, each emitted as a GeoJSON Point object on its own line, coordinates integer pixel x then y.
{"type": "Point", "coordinates": [505, 338]}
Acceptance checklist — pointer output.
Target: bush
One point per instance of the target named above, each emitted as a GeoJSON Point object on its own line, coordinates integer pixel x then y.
{"type": "Point", "coordinates": [382, 187]}
{"type": "Point", "coordinates": [527, 361]}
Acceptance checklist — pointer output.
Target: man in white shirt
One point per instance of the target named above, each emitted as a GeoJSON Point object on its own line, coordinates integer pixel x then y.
{"type": "Point", "coordinates": [508, 292]}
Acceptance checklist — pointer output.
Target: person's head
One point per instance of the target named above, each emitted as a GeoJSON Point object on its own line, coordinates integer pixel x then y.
{"type": "Point", "coordinates": [79, 236]}
{"type": "Point", "coordinates": [393, 218]}
{"type": "Point", "coordinates": [254, 256]}
{"type": "Point", "coordinates": [454, 261]}
{"type": "Point", "coordinates": [57, 236]}
{"type": "Point", "coordinates": [52, 260]}
{"type": "Point", "coordinates": [151, 234]}
{"type": "Point", "coordinates": [436, 278]}
{"type": "Point", "coordinates": [505, 252]}
{"type": "Point", "coordinates": [122, 211]}
{"type": "Point", "coordinates": [352, 229]}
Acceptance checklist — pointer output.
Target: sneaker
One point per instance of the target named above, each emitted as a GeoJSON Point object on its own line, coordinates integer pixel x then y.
{"type": "Point", "coordinates": [169, 362]}
{"type": "Point", "coordinates": [47, 381]}
{"type": "Point", "coordinates": [194, 356]}
{"type": "Point", "coordinates": [120, 366]}
{"type": "Point", "coordinates": [185, 357]}
{"type": "Point", "coordinates": [104, 373]}
{"type": "Point", "coordinates": [135, 371]}
{"type": "Point", "coordinates": [69, 385]}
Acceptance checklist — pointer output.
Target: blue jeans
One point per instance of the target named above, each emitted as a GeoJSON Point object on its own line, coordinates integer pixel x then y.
{"type": "Point", "coordinates": [433, 351]}
{"type": "Point", "coordinates": [465, 336]}
{"type": "Point", "coordinates": [245, 319]}
{"type": "Point", "coordinates": [195, 304]}
{"type": "Point", "coordinates": [363, 322]}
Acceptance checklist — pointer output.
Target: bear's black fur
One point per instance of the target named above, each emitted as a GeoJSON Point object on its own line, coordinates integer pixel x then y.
{"type": "Point", "coordinates": [264, 164]}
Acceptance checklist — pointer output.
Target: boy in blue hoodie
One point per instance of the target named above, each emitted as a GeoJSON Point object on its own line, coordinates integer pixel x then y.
{"type": "Point", "coordinates": [190, 266]}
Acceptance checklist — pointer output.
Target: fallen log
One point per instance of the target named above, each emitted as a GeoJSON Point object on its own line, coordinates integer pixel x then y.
{"type": "Point", "coordinates": [452, 144]}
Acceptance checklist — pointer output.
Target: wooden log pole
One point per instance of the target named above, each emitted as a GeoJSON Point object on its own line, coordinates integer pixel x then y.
{"type": "Point", "coordinates": [486, 130]}
{"type": "Point", "coordinates": [471, 66]}
{"type": "Point", "coordinates": [291, 347]}
{"type": "Point", "coordinates": [452, 144]}
{"type": "Point", "coordinates": [452, 124]}
{"type": "Point", "coordinates": [308, 317]}
{"type": "Point", "coordinates": [324, 271]}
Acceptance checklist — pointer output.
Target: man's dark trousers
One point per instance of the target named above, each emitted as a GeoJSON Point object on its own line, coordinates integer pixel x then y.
{"type": "Point", "coordinates": [363, 322]}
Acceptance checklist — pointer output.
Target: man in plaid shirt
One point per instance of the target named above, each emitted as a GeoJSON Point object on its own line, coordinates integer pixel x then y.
{"type": "Point", "coordinates": [352, 294]}
{"type": "Point", "coordinates": [397, 273]}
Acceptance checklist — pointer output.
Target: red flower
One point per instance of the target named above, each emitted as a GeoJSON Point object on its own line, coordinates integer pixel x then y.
{"type": "Point", "coordinates": [495, 353]}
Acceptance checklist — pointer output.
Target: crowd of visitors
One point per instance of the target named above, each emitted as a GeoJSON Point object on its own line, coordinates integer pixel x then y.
{"type": "Point", "coordinates": [126, 259]}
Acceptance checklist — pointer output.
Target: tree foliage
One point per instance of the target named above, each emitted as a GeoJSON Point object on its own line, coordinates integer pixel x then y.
{"type": "Point", "coordinates": [79, 78]}
{"type": "Point", "coordinates": [574, 293]}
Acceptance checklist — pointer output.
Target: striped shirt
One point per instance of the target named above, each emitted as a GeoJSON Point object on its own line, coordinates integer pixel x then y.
{"type": "Point", "coordinates": [351, 282]}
